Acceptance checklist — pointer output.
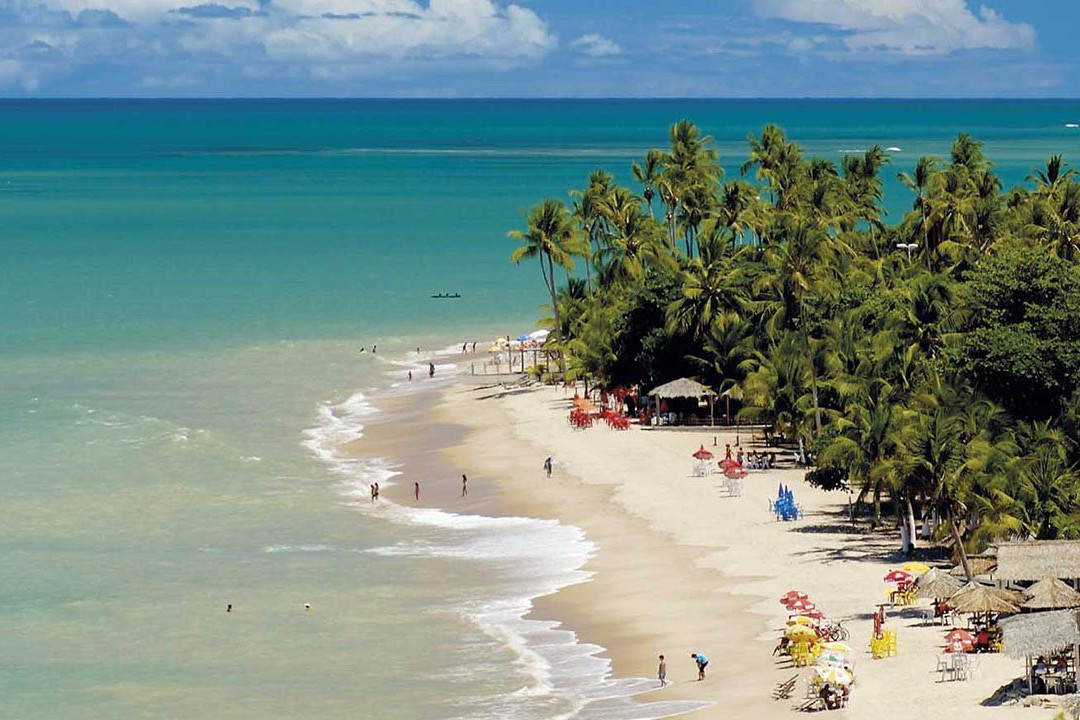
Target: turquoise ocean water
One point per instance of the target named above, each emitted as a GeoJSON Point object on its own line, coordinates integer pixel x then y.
{"type": "Point", "coordinates": [183, 289]}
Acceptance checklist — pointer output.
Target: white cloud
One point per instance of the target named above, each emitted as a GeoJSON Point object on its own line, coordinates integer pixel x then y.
{"type": "Point", "coordinates": [907, 26]}
{"type": "Point", "coordinates": [166, 38]}
{"type": "Point", "coordinates": [595, 45]}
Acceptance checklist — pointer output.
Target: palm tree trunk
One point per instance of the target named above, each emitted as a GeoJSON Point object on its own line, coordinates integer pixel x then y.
{"type": "Point", "coordinates": [814, 388]}
{"type": "Point", "coordinates": [875, 517]}
{"type": "Point", "coordinates": [860, 499]}
{"type": "Point", "coordinates": [555, 310]}
{"type": "Point", "coordinates": [910, 519]}
{"type": "Point", "coordinates": [588, 270]}
{"type": "Point", "coordinates": [954, 526]}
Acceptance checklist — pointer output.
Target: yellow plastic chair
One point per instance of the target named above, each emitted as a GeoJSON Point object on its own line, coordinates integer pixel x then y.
{"type": "Point", "coordinates": [800, 654]}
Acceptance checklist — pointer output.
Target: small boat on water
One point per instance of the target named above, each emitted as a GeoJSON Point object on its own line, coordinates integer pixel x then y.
{"type": "Point", "coordinates": [446, 296]}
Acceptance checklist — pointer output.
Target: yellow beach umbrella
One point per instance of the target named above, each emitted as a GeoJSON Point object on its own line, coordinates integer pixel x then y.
{"type": "Point", "coordinates": [800, 620]}
{"type": "Point", "coordinates": [917, 568]}
{"type": "Point", "coordinates": [798, 633]}
{"type": "Point", "coordinates": [837, 647]}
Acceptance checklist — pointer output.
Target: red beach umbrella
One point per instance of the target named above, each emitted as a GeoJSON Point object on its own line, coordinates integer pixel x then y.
{"type": "Point", "coordinates": [793, 595]}
{"type": "Point", "coordinates": [898, 576]}
{"type": "Point", "coordinates": [800, 606]}
{"type": "Point", "coordinates": [728, 463]}
{"type": "Point", "coordinates": [703, 454]}
{"type": "Point", "coordinates": [735, 472]}
{"type": "Point", "coordinates": [959, 641]}
{"type": "Point", "coordinates": [815, 614]}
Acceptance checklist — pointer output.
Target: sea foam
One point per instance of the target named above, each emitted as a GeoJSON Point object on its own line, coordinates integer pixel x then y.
{"type": "Point", "coordinates": [523, 558]}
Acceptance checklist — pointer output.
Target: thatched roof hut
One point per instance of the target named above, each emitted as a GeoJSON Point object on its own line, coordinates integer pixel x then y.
{"type": "Point", "coordinates": [1050, 594]}
{"type": "Point", "coordinates": [980, 565]}
{"type": "Point", "coordinates": [682, 388]}
{"type": "Point", "coordinates": [1038, 559]}
{"type": "Point", "coordinates": [937, 585]}
{"type": "Point", "coordinates": [976, 598]}
{"type": "Point", "coordinates": [1042, 633]}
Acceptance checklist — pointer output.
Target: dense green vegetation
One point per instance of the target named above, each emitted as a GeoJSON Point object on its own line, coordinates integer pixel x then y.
{"type": "Point", "coordinates": [939, 378]}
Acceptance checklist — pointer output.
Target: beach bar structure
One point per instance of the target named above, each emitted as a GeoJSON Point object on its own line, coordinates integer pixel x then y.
{"type": "Point", "coordinates": [685, 388]}
{"type": "Point", "coordinates": [1036, 560]}
{"type": "Point", "coordinates": [1041, 634]}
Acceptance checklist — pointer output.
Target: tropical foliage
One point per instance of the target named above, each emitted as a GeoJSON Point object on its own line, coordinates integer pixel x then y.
{"type": "Point", "coordinates": [933, 364]}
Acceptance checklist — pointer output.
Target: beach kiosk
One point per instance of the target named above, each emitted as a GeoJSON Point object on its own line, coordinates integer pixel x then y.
{"type": "Point", "coordinates": [682, 389]}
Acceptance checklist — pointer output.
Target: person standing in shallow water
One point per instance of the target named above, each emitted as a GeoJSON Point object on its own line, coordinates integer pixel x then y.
{"type": "Point", "coordinates": [417, 490]}
{"type": "Point", "coordinates": [662, 671]}
{"type": "Point", "coordinates": [464, 486]}
{"type": "Point", "coordinates": [431, 370]}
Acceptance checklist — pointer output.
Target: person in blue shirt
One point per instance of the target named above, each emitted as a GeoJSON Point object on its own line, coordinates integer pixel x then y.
{"type": "Point", "coordinates": [701, 661]}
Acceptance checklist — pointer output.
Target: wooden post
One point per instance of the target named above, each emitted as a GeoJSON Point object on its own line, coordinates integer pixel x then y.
{"type": "Point", "coordinates": [1030, 677]}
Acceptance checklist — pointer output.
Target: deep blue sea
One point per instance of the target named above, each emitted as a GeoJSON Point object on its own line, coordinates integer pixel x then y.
{"type": "Point", "coordinates": [184, 287]}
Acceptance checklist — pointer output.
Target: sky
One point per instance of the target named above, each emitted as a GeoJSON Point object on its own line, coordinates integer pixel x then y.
{"type": "Point", "coordinates": [539, 48]}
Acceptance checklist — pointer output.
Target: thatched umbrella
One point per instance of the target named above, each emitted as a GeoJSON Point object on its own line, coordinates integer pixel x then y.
{"type": "Point", "coordinates": [975, 598]}
{"type": "Point", "coordinates": [937, 585]}
{"type": "Point", "coordinates": [1050, 594]}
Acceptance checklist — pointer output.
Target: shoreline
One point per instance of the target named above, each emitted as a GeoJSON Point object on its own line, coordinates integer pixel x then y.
{"type": "Point", "coordinates": [677, 566]}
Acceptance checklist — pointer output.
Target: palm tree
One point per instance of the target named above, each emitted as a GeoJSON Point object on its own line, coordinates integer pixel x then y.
{"type": "Point", "coordinates": [1050, 179]}
{"type": "Point", "coordinates": [934, 459]}
{"type": "Point", "coordinates": [775, 382]}
{"type": "Point", "coordinates": [919, 182]}
{"type": "Point", "coordinates": [589, 214]}
{"type": "Point", "coordinates": [648, 174]}
{"type": "Point", "coordinates": [867, 439]}
{"type": "Point", "coordinates": [710, 292]}
{"type": "Point", "coordinates": [550, 231]}
{"type": "Point", "coordinates": [776, 162]}
{"type": "Point", "coordinates": [633, 239]}
{"type": "Point", "coordinates": [691, 172]}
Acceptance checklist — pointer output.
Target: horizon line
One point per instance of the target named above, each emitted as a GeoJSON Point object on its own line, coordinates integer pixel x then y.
{"type": "Point", "coordinates": [541, 98]}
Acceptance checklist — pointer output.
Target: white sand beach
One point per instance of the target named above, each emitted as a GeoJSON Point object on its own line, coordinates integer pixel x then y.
{"type": "Point", "coordinates": [682, 567]}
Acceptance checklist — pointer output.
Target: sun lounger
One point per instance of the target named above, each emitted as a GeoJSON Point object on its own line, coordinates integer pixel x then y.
{"type": "Point", "coordinates": [783, 690]}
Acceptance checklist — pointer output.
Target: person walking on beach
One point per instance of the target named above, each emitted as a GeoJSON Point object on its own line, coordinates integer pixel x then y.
{"type": "Point", "coordinates": [547, 466]}
{"type": "Point", "coordinates": [464, 485]}
{"type": "Point", "coordinates": [662, 671]}
{"type": "Point", "coordinates": [431, 369]}
{"type": "Point", "coordinates": [416, 489]}
{"type": "Point", "coordinates": [702, 662]}
{"type": "Point", "coordinates": [410, 376]}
